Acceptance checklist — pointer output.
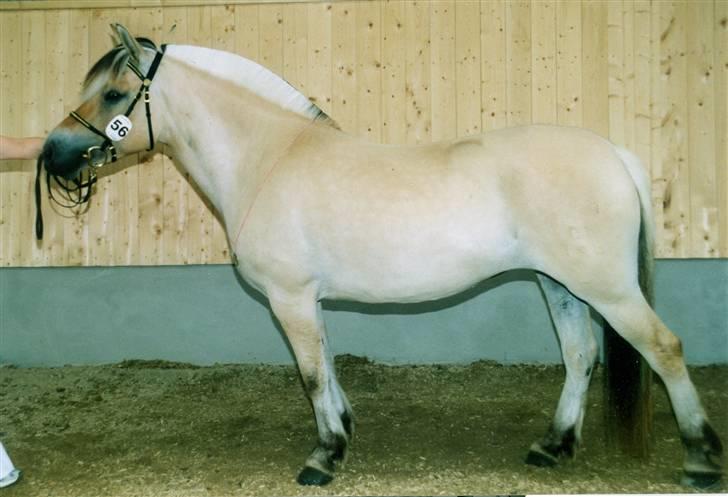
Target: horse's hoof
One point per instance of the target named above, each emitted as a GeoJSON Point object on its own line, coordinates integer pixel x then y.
{"type": "Point", "coordinates": [538, 457]}
{"type": "Point", "coordinates": [313, 476]}
{"type": "Point", "coordinates": [701, 481]}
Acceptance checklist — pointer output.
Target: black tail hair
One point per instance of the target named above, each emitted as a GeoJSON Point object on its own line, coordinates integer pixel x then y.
{"type": "Point", "coordinates": [627, 376]}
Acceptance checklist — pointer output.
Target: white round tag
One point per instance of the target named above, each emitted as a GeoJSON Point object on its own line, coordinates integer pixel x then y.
{"type": "Point", "coordinates": [118, 128]}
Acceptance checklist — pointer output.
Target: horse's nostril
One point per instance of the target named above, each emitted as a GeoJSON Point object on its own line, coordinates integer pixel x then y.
{"type": "Point", "coordinates": [48, 151]}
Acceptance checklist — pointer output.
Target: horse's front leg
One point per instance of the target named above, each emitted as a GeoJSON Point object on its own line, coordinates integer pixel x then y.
{"type": "Point", "coordinates": [300, 316]}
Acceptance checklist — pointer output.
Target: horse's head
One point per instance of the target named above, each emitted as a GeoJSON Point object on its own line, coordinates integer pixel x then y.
{"type": "Point", "coordinates": [109, 123]}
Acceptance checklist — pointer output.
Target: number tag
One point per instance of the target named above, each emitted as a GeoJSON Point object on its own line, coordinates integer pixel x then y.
{"type": "Point", "coordinates": [118, 128]}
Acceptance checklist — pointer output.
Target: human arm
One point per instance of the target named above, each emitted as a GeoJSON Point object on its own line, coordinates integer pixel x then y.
{"type": "Point", "coordinates": [20, 148]}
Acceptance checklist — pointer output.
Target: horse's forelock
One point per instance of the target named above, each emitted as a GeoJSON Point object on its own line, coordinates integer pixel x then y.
{"type": "Point", "coordinates": [112, 64]}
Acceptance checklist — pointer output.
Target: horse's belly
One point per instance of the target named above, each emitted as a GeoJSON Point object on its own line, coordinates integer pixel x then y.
{"type": "Point", "coordinates": [416, 267]}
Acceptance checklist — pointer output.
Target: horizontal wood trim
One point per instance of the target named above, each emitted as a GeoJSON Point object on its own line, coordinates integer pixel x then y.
{"type": "Point", "coordinates": [122, 4]}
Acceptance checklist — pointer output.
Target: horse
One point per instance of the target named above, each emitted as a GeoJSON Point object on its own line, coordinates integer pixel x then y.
{"type": "Point", "coordinates": [312, 213]}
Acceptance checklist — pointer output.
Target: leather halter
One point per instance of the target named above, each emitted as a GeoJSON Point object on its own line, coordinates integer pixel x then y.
{"type": "Point", "coordinates": [98, 155]}
{"type": "Point", "coordinates": [77, 191]}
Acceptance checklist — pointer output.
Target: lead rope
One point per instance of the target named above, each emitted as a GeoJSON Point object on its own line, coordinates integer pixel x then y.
{"type": "Point", "coordinates": [38, 213]}
{"type": "Point", "coordinates": [74, 192]}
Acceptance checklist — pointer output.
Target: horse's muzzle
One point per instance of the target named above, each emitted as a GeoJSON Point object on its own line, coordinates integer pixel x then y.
{"type": "Point", "coordinates": [64, 157]}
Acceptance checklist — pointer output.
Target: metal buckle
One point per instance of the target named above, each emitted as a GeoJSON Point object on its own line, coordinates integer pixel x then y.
{"type": "Point", "coordinates": [96, 156]}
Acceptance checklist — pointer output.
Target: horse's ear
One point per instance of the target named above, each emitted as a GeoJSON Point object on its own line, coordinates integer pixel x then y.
{"type": "Point", "coordinates": [128, 41]}
{"type": "Point", "coordinates": [115, 41]}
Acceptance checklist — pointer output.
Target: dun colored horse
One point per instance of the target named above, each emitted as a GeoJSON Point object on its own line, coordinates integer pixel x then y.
{"type": "Point", "coordinates": [313, 213]}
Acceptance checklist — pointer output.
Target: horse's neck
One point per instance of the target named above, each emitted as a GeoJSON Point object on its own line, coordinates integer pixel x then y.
{"type": "Point", "coordinates": [222, 135]}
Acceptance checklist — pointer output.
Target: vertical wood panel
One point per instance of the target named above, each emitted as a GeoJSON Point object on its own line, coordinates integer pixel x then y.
{"type": "Point", "coordinates": [199, 32]}
{"type": "Point", "coordinates": [295, 46]}
{"type": "Point", "coordinates": [368, 73]}
{"type": "Point", "coordinates": [569, 97]}
{"type": "Point", "coordinates": [319, 55]}
{"type": "Point", "coordinates": [270, 18]}
{"type": "Point", "coordinates": [628, 74]}
{"type": "Point", "coordinates": [642, 82]}
{"type": "Point", "coordinates": [705, 237]}
{"type": "Point", "coordinates": [673, 175]}
{"type": "Point", "coordinates": [13, 177]}
{"type": "Point", "coordinates": [493, 64]}
{"type": "Point", "coordinates": [175, 191]}
{"type": "Point", "coordinates": [518, 62]}
{"type": "Point", "coordinates": [595, 70]}
{"type": "Point", "coordinates": [720, 27]}
{"type": "Point", "coordinates": [247, 37]}
{"type": "Point", "coordinates": [104, 203]}
{"type": "Point", "coordinates": [223, 31]}
{"type": "Point", "coordinates": [123, 184]}
{"type": "Point", "coordinates": [543, 62]}
{"type": "Point", "coordinates": [394, 87]}
{"type": "Point", "coordinates": [343, 59]}
{"type": "Point", "coordinates": [617, 73]}
{"type": "Point", "coordinates": [658, 109]}
{"type": "Point", "coordinates": [467, 77]}
{"type": "Point", "coordinates": [33, 124]}
{"type": "Point", "coordinates": [76, 227]}
{"type": "Point", "coordinates": [442, 70]}
{"type": "Point", "coordinates": [150, 175]}
{"type": "Point", "coordinates": [51, 251]}
{"type": "Point", "coordinates": [649, 75]}
{"type": "Point", "coordinates": [417, 71]}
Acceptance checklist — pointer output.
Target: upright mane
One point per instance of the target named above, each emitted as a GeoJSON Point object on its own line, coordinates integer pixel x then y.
{"type": "Point", "coordinates": [250, 75]}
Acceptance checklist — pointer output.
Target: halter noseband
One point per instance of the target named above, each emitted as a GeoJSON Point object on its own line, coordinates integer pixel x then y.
{"type": "Point", "coordinates": [98, 155]}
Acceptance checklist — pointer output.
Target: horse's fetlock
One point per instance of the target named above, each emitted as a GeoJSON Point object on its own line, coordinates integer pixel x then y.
{"type": "Point", "coordinates": [334, 447]}
{"type": "Point", "coordinates": [321, 460]}
{"type": "Point", "coordinates": [561, 442]}
{"type": "Point", "coordinates": [347, 422]}
{"type": "Point", "coordinates": [707, 442]}
{"type": "Point", "coordinates": [713, 440]}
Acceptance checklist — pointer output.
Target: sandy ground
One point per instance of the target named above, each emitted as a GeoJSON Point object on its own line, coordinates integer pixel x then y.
{"type": "Point", "coordinates": [163, 429]}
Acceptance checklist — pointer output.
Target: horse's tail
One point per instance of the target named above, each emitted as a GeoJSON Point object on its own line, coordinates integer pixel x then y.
{"type": "Point", "coordinates": [628, 378]}
{"type": "Point", "coordinates": [645, 261]}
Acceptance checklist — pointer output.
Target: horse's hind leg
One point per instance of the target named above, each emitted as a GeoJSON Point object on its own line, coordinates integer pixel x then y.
{"type": "Point", "coordinates": [579, 351]}
{"type": "Point", "coordinates": [632, 317]}
{"type": "Point", "coordinates": [302, 322]}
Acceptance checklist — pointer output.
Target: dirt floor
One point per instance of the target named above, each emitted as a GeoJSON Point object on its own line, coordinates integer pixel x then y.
{"type": "Point", "coordinates": [164, 429]}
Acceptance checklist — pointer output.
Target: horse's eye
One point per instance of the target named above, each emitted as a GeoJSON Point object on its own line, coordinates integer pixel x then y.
{"type": "Point", "coordinates": [112, 96]}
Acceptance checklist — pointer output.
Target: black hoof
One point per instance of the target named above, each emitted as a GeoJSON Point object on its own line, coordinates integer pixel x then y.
{"type": "Point", "coordinates": [702, 481]}
{"type": "Point", "coordinates": [313, 476]}
{"type": "Point", "coordinates": [537, 457]}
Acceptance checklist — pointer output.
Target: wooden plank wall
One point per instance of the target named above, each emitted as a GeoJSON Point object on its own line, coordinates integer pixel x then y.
{"type": "Point", "coordinates": [649, 75]}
